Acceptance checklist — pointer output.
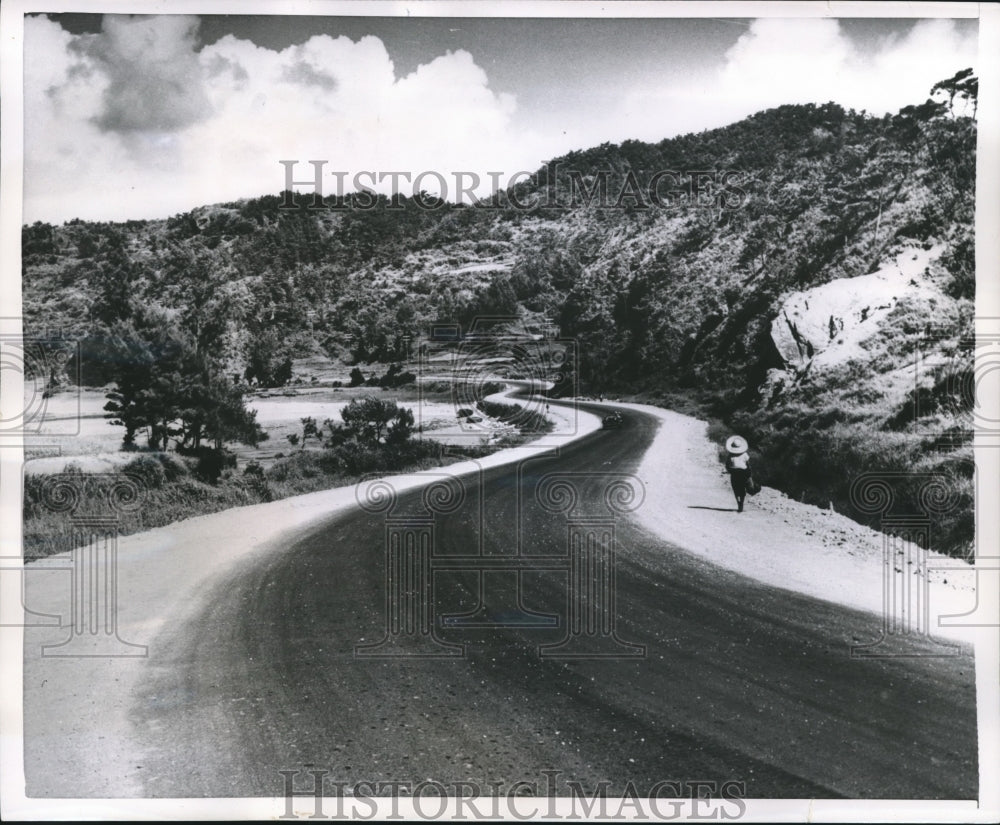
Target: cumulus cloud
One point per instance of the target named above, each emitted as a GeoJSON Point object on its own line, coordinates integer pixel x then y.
{"type": "Point", "coordinates": [153, 73]}
{"type": "Point", "coordinates": [780, 60]}
{"type": "Point", "coordinates": [132, 122]}
{"type": "Point", "coordinates": [304, 73]}
{"type": "Point", "coordinates": [812, 61]}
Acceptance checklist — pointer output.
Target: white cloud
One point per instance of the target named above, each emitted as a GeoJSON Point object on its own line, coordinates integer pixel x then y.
{"type": "Point", "coordinates": [779, 61]}
{"type": "Point", "coordinates": [112, 135]}
{"type": "Point", "coordinates": [812, 61]}
{"type": "Point", "coordinates": [153, 71]}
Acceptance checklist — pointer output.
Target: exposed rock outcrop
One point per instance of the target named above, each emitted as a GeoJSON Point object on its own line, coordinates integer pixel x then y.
{"type": "Point", "coordinates": [825, 325]}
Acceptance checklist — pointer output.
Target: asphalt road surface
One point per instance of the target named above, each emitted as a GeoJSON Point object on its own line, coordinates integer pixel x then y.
{"type": "Point", "coordinates": [718, 678]}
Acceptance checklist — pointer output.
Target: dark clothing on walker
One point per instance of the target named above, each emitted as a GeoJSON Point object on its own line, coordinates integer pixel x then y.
{"type": "Point", "coordinates": [738, 477]}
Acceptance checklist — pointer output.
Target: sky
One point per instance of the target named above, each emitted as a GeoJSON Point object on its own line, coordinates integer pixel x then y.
{"type": "Point", "coordinates": [131, 117]}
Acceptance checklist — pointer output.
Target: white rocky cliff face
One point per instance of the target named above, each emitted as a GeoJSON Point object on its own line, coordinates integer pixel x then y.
{"type": "Point", "coordinates": [825, 325]}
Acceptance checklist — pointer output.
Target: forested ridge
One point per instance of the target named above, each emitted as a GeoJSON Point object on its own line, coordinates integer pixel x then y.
{"type": "Point", "coordinates": [678, 289]}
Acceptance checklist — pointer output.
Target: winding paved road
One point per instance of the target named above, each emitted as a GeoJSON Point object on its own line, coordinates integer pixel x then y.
{"type": "Point", "coordinates": [738, 681]}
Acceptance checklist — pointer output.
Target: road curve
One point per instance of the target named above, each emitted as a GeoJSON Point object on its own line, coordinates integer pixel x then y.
{"type": "Point", "coordinates": [737, 681]}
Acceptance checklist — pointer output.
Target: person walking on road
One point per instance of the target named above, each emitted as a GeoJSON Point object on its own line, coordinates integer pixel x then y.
{"type": "Point", "coordinates": [738, 465]}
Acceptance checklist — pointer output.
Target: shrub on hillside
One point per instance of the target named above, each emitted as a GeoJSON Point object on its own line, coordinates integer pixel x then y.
{"type": "Point", "coordinates": [148, 469]}
{"type": "Point", "coordinates": [394, 377]}
{"type": "Point", "coordinates": [256, 479]}
{"type": "Point", "coordinates": [210, 461]}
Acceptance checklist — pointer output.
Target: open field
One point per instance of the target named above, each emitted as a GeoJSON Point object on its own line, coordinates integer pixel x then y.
{"type": "Point", "coordinates": [73, 423]}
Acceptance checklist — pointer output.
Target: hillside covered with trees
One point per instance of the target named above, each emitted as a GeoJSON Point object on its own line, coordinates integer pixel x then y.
{"type": "Point", "coordinates": [787, 276]}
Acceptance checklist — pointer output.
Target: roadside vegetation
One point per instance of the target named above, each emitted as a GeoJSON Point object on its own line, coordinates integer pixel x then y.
{"type": "Point", "coordinates": [374, 436]}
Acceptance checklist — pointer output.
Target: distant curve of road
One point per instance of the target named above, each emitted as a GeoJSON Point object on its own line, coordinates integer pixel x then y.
{"type": "Point", "coordinates": [738, 681]}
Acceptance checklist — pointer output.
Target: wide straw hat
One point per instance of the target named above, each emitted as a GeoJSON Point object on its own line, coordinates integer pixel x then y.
{"type": "Point", "coordinates": [736, 445]}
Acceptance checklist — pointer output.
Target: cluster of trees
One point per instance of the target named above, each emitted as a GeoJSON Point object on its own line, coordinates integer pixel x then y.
{"type": "Point", "coordinates": [164, 337]}
{"type": "Point", "coordinates": [373, 421]}
{"type": "Point", "coordinates": [165, 384]}
{"type": "Point", "coordinates": [394, 376]}
{"type": "Point", "coordinates": [370, 421]}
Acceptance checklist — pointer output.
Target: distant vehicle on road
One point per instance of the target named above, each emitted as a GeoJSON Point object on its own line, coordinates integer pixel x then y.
{"type": "Point", "coordinates": [613, 421]}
